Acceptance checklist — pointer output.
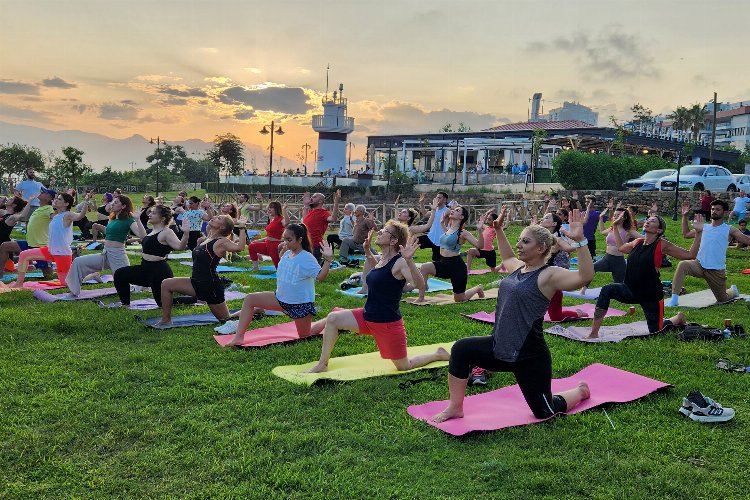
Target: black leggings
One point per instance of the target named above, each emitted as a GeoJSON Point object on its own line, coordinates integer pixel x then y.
{"type": "Point", "coordinates": [148, 273]}
{"type": "Point", "coordinates": [614, 264]}
{"type": "Point", "coordinates": [534, 375]}
{"type": "Point", "coordinates": [653, 310]}
{"type": "Point", "coordinates": [426, 242]}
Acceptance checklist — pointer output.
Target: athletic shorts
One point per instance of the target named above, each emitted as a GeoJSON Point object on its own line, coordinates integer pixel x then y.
{"type": "Point", "coordinates": [490, 256]}
{"type": "Point", "coordinates": [24, 245]}
{"type": "Point", "coordinates": [297, 311]}
{"type": "Point", "coordinates": [210, 292]}
{"type": "Point", "coordinates": [389, 337]}
{"type": "Point", "coordinates": [453, 268]}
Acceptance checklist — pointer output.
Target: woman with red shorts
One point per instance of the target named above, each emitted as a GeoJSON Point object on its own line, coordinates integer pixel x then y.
{"type": "Point", "coordinates": [277, 220]}
{"type": "Point", "coordinates": [381, 316]}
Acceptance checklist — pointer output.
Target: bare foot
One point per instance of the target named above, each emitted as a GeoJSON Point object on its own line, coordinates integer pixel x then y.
{"type": "Point", "coordinates": [94, 276]}
{"type": "Point", "coordinates": [16, 285]}
{"type": "Point", "coordinates": [582, 291]}
{"type": "Point", "coordinates": [443, 355]}
{"type": "Point", "coordinates": [163, 324]}
{"type": "Point", "coordinates": [581, 313]}
{"type": "Point", "coordinates": [448, 414]}
{"type": "Point", "coordinates": [319, 368]}
{"type": "Point", "coordinates": [679, 319]}
{"type": "Point", "coordinates": [480, 292]}
{"type": "Point", "coordinates": [419, 299]}
{"type": "Point", "coordinates": [583, 388]}
{"type": "Point", "coordinates": [362, 291]}
{"type": "Point", "coordinates": [235, 341]}
{"type": "Point", "coordinates": [593, 335]}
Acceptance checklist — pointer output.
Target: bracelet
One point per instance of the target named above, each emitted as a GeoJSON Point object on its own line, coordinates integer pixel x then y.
{"type": "Point", "coordinates": [579, 244]}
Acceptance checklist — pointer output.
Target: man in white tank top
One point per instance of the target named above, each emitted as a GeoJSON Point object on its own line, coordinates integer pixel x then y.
{"type": "Point", "coordinates": [710, 264]}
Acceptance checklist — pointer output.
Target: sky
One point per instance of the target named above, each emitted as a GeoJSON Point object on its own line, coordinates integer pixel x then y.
{"type": "Point", "coordinates": [196, 69]}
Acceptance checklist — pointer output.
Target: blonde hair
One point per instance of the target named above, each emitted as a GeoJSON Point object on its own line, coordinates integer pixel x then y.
{"type": "Point", "coordinates": [228, 226]}
{"type": "Point", "coordinates": [402, 230]}
{"type": "Point", "coordinates": [542, 236]}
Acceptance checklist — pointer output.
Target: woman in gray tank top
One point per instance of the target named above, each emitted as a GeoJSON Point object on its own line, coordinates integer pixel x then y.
{"type": "Point", "coordinates": [517, 342]}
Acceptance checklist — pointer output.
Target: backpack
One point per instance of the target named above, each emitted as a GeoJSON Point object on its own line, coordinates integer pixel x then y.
{"type": "Point", "coordinates": [694, 331]}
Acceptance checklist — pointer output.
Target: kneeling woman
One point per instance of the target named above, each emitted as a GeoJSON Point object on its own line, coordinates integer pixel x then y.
{"type": "Point", "coordinates": [381, 316]}
{"type": "Point", "coordinates": [451, 265]}
{"type": "Point", "coordinates": [205, 284]}
{"type": "Point", "coordinates": [154, 267]}
{"type": "Point", "coordinates": [295, 285]}
{"type": "Point", "coordinates": [517, 342]}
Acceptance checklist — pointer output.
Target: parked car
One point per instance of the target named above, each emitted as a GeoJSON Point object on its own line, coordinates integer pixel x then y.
{"type": "Point", "coordinates": [742, 182]}
{"type": "Point", "coordinates": [700, 177]}
{"type": "Point", "coordinates": [647, 182]}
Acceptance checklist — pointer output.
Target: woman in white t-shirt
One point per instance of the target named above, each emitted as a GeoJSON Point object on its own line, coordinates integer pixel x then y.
{"type": "Point", "coordinates": [295, 286]}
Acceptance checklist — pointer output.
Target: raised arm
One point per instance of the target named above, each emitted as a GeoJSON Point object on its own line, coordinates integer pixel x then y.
{"type": "Point", "coordinates": [327, 252]}
{"type": "Point", "coordinates": [510, 261]}
{"type": "Point", "coordinates": [739, 235]}
{"type": "Point", "coordinates": [423, 228]}
{"type": "Point", "coordinates": [335, 212]}
{"type": "Point", "coordinates": [564, 279]}
{"type": "Point", "coordinates": [305, 203]}
{"type": "Point", "coordinates": [406, 265]}
{"type": "Point", "coordinates": [171, 239]}
{"type": "Point", "coordinates": [477, 243]}
{"type": "Point", "coordinates": [287, 218]}
{"type": "Point", "coordinates": [680, 253]}
{"type": "Point", "coordinates": [137, 226]}
{"type": "Point", "coordinates": [231, 246]}
{"type": "Point", "coordinates": [686, 231]}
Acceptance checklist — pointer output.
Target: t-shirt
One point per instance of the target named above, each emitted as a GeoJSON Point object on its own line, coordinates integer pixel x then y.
{"type": "Point", "coordinates": [740, 204]}
{"type": "Point", "coordinates": [346, 227]}
{"type": "Point", "coordinates": [295, 277]}
{"type": "Point", "coordinates": [118, 229]}
{"type": "Point", "coordinates": [589, 229]}
{"type": "Point", "coordinates": [316, 221]}
{"type": "Point", "coordinates": [436, 230]}
{"type": "Point", "coordinates": [37, 230]}
{"type": "Point", "coordinates": [29, 187]}
{"type": "Point", "coordinates": [361, 229]}
{"type": "Point", "coordinates": [195, 217]}
{"type": "Point", "coordinates": [489, 238]}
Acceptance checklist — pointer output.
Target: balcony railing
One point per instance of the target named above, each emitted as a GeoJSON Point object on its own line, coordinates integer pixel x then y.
{"type": "Point", "coordinates": [332, 123]}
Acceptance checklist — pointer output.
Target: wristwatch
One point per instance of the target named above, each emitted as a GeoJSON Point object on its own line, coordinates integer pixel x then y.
{"type": "Point", "coordinates": [579, 244]}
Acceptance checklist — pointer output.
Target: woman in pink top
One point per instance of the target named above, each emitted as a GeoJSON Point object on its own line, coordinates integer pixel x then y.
{"type": "Point", "coordinates": [487, 252]}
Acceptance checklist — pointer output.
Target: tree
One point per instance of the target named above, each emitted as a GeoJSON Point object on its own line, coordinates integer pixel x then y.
{"type": "Point", "coordinates": [228, 154]}
{"type": "Point", "coordinates": [641, 114]}
{"type": "Point", "coordinates": [462, 127]}
{"type": "Point", "coordinates": [16, 158]}
{"type": "Point", "coordinates": [169, 157]}
{"type": "Point", "coordinates": [696, 119]}
{"type": "Point", "coordinates": [679, 118]}
{"type": "Point", "coordinates": [69, 169]}
{"type": "Point", "coordinates": [619, 142]}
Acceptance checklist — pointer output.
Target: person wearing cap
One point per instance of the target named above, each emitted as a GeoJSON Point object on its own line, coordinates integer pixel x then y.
{"type": "Point", "coordinates": [37, 229]}
{"type": "Point", "coordinates": [27, 189]}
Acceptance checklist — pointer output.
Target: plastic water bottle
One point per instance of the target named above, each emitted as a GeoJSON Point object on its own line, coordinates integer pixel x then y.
{"type": "Point", "coordinates": [727, 329]}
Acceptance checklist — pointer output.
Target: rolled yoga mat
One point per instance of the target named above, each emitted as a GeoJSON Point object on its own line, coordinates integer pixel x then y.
{"type": "Point", "coordinates": [489, 317]}
{"type": "Point", "coordinates": [96, 293]}
{"type": "Point", "coordinates": [611, 333]}
{"type": "Point", "coordinates": [445, 300]}
{"type": "Point", "coordinates": [506, 407]}
{"type": "Point", "coordinates": [435, 285]}
{"type": "Point", "coordinates": [356, 367]}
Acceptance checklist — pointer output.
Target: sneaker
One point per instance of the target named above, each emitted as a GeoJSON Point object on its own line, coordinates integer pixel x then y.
{"type": "Point", "coordinates": [703, 409]}
{"type": "Point", "coordinates": [227, 328]}
{"type": "Point", "coordinates": [478, 376]}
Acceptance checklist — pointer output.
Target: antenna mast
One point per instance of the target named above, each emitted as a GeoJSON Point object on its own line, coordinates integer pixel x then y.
{"type": "Point", "coordinates": [328, 68]}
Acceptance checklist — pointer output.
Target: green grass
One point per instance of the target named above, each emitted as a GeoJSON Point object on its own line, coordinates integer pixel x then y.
{"type": "Point", "coordinates": [93, 405]}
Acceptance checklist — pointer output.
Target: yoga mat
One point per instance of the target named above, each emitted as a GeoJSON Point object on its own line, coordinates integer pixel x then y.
{"type": "Point", "coordinates": [475, 272]}
{"type": "Point", "coordinates": [180, 255]}
{"type": "Point", "coordinates": [39, 285]}
{"type": "Point", "coordinates": [8, 277]}
{"type": "Point", "coordinates": [107, 278]}
{"type": "Point", "coordinates": [202, 319]}
{"type": "Point", "coordinates": [233, 269]}
{"type": "Point", "coordinates": [699, 300]}
{"type": "Point", "coordinates": [94, 245]}
{"type": "Point", "coordinates": [489, 317]}
{"type": "Point", "coordinates": [443, 300]}
{"type": "Point", "coordinates": [148, 304]}
{"type": "Point", "coordinates": [356, 367]}
{"type": "Point", "coordinates": [270, 276]}
{"type": "Point", "coordinates": [96, 293]}
{"type": "Point", "coordinates": [614, 333]}
{"type": "Point", "coordinates": [591, 294]}
{"type": "Point", "coordinates": [259, 337]}
{"type": "Point", "coordinates": [435, 285]}
{"type": "Point", "coordinates": [745, 271]}
{"type": "Point", "coordinates": [506, 407]}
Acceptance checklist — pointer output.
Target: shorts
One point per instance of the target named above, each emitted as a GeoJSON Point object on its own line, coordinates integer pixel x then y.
{"type": "Point", "coordinates": [24, 245]}
{"type": "Point", "coordinates": [490, 256]}
{"type": "Point", "coordinates": [297, 311]}
{"type": "Point", "coordinates": [453, 268]}
{"type": "Point", "coordinates": [389, 337]}
{"type": "Point", "coordinates": [210, 292]}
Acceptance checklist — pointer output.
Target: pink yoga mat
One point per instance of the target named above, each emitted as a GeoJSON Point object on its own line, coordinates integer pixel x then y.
{"type": "Point", "coordinates": [506, 407]}
{"type": "Point", "coordinates": [274, 334]}
{"type": "Point", "coordinates": [474, 272]}
{"type": "Point", "coordinates": [489, 317]}
{"type": "Point", "coordinates": [38, 285]}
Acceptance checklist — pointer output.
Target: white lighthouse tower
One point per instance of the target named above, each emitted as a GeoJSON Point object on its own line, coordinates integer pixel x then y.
{"type": "Point", "coordinates": [333, 127]}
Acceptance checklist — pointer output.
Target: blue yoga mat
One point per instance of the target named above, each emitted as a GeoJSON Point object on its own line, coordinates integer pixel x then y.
{"type": "Point", "coordinates": [12, 276]}
{"type": "Point", "coordinates": [202, 319]}
{"type": "Point", "coordinates": [435, 285]}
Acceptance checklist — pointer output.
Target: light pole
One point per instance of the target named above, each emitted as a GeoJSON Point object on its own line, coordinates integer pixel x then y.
{"type": "Point", "coordinates": [132, 166]}
{"type": "Point", "coordinates": [306, 146]}
{"type": "Point", "coordinates": [270, 161]}
{"type": "Point", "coordinates": [159, 141]}
{"type": "Point", "coordinates": [349, 167]}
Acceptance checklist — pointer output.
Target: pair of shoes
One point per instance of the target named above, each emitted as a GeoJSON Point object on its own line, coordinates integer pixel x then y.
{"type": "Point", "coordinates": [227, 328]}
{"type": "Point", "coordinates": [727, 365]}
{"type": "Point", "coordinates": [478, 376]}
{"type": "Point", "coordinates": [700, 408]}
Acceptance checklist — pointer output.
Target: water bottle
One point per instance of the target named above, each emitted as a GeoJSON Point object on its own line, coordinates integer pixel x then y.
{"type": "Point", "coordinates": [727, 329]}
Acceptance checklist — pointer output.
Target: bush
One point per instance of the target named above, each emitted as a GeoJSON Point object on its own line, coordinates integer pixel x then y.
{"type": "Point", "coordinates": [577, 170]}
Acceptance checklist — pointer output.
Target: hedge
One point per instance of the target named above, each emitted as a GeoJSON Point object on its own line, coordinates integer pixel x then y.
{"type": "Point", "coordinates": [578, 170]}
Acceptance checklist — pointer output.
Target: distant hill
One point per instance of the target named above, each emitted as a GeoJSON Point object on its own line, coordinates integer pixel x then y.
{"type": "Point", "coordinates": [101, 151]}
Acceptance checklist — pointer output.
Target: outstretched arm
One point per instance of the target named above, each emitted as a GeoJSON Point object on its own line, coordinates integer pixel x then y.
{"type": "Point", "coordinates": [680, 253]}
{"type": "Point", "coordinates": [406, 265]}
{"type": "Point", "coordinates": [507, 255]}
{"type": "Point", "coordinates": [564, 279]}
{"type": "Point", "coordinates": [686, 231]}
{"type": "Point", "coordinates": [327, 252]}
{"type": "Point", "coordinates": [335, 212]}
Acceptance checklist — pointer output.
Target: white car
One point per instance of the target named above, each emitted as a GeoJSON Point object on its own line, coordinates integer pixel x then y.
{"type": "Point", "coordinates": [742, 181]}
{"type": "Point", "coordinates": [700, 177]}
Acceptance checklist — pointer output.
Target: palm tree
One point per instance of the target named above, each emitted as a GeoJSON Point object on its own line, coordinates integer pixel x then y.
{"type": "Point", "coordinates": [679, 118]}
{"type": "Point", "coordinates": [696, 119]}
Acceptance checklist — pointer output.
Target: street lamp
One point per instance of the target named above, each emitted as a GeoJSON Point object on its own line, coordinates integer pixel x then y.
{"type": "Point", "coordinates": [159, 142]}
{"type": "Point", "coordinates": [306, 147]}
{"type": "Point", "coordinates": [270, 161]}
{"type": "Point", "coordinates": [349, 168]}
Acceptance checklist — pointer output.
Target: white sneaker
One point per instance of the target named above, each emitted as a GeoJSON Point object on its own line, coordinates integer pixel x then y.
{"type": "Point", "coordinates": [136, 288]}
{"type": "Point", "coordinates": [227, 328]}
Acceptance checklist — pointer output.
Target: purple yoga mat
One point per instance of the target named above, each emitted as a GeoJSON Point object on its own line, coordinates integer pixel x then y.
{"type": "Point", "coordinates": [96, 293]}
{"type": "Point", "coordinates": [489, 317]}
{"type": "Point", "coordinates": [148, 304]}
{"type": "Point", "coordinates": [506, 407]}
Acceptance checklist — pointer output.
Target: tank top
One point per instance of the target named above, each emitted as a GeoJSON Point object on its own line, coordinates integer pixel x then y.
{"type": "Point", "coordinates": [449, 241]}
{"type": "Point", "coordinates": [205, 262]}
{"type": "Point", "coordinates": [517, 333]}
{"type": "Point", "coordinates": [382, 301]}
{"type": "Point", "coordinates": [611, 241]}
{"type": "Point", "coordinates": [5, 229]}
{"type": "Point", "coordinates": [152, 246]}
{"type": "Point", "coordinates": [275, 228]}
{"type": "Point", "coordinates": [712, 253]}
{"type": "Point", "coordinates": [642, 272]}
{"type": "Point", "coordinates": [489, 238]}
{"type": "Point", "coordinates": [60, 237]}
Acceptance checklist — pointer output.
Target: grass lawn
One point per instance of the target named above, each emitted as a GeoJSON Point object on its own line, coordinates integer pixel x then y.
{"type": "Point", "coordinates": [94, 405]}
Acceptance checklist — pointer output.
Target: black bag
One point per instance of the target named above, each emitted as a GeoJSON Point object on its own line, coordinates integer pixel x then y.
{"type": "Point", "coordinates": [693, 331]}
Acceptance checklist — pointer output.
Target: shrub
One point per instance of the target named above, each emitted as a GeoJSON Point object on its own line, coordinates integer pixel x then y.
{"type": "Point", "coordinates": [578, 170]}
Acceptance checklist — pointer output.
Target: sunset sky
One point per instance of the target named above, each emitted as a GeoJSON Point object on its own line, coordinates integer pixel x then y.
{"type": "Point", "coordinates": [195, 69]}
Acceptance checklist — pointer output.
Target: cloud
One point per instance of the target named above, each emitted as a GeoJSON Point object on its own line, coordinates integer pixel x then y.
{"type": "Point", "coordinates": [244, 114]}
{"type": "Point", "coordinates": [610, 54]}
{"type": "Point", "coordinates": [255, 71]}
{"type": "Point", "coordinates": [80, 108]}
{"type": "Point", "coordinates": [124, 110]}
{"type": "Point", "coordinates": [291, 100]}
{"type": "Point", "coordinates": [568, 95]}
{"type": "Point", "coordinates": [58, 83]}
{"type": "Point", "coordinates": [16, 87]}
{"type": "Point", "coordinates": [22, 113]}
{"type": "Point", "coordinates": [400, 117]}
{"type": "Point", "coordinates": [182, 91]}
{"type": "Point", "coordinates": [157, 78]}
{"type": "Point", "coordinates": [174, 101]}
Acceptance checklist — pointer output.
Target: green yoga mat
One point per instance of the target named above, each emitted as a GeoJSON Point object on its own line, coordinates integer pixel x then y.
{"type": "Point", "coordinates": [356, 367]}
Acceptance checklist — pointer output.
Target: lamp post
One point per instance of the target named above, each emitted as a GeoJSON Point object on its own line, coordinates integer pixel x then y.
{"type": "Point", "coordinates": [270, 161]}
{"type": "Point", "coordinates": [349, 167]}
{"type": "Point", "coordinates": [159, 141]}
{"type": "Point", "coordinates": [306, 146]}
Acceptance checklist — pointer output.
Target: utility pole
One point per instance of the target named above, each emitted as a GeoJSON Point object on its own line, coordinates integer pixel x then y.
{"type": "Point", "coordinates": [713, 134]}
{"type": "Point", "coordinates": [306, 146]}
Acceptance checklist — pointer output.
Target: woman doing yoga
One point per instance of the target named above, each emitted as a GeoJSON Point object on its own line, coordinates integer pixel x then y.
{"type": "Point", "coordinates": [642, 284]}
{"type": "Point", "coordinates": [277, 220]}
{"type": "Point", "coordinates": [295, 286]}
{"type": "Point", "coordinates": [381, 316]}
{"type": "Point", "coordinates": [517, 342]}
{"type": "Point", "coordinates": [487, 252]}
{"type": "Point", "coordinates": [205, 284]}
{"type": "Point", "coordinates": [154, 267]}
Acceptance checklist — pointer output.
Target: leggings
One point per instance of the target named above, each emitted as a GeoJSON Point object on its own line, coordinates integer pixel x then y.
{"type": "Point", "coordinates": [654, 310]}
{"type": "Point", "coordinates": [614, 264]}
{"type": "Point", "coordinates": [270, 248]}
{"type": "Point", "coordinates": [62, 262]}
{"type": "Point", "coordinates": [555, 310]}
{"type": "Point", "coordinates": [426, 242]}
{"type": "Point", "coordinates": [148, 273]}
{"type": "Point", "coordinates": [534, 375]}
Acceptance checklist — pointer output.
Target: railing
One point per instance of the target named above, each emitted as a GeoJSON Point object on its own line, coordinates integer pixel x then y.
{"type": "Point", "coordinates": [332, 122]}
